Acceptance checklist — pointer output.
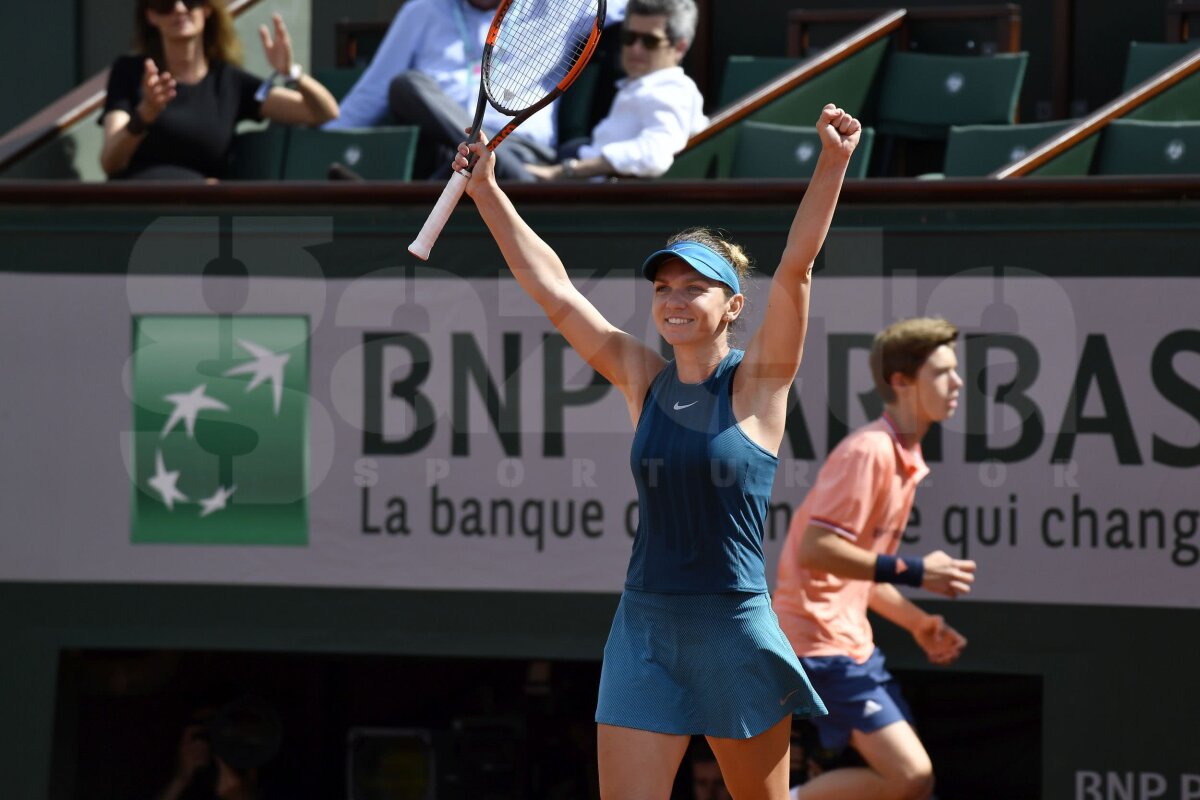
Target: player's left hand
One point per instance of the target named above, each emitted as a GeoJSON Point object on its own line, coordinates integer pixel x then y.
{"type": "Point", "coordinates": [839, 131]}
{"type": "Point", "coordinates": [941, 643]}
{"type": "Point", "coordinates": [278, 50]}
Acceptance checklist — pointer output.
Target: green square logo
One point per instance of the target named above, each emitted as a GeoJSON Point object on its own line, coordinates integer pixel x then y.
{"type": "Point", "coordinates": [220, 421]}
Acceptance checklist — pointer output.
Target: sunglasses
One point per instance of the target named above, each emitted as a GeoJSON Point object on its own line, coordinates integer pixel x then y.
{"type": "Point", "coordinates": [168, 6]}
{"type": "Point", "coordinates": [650, 41]}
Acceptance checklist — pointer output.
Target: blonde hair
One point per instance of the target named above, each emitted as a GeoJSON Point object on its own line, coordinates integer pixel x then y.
{"type": "Point", "coordinates": [221, 41]}
{"type": "Point", "coordinates": [903, 347]}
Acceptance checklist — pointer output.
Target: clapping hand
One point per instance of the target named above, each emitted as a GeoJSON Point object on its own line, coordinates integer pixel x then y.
{"type": "Point", "coordinates": [158, 89]}
{"type": "Point", "coordinates": [278, 50]}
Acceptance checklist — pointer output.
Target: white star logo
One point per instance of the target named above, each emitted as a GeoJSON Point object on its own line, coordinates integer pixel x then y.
{"type": "Point", "coordinates": [265, 366]}
{"type": "Point", "coordinates": [163, 482]}
{"type": "Point", "coordinates": [217, 501]}
{"type": "Point", "coordinates": [187, 406]}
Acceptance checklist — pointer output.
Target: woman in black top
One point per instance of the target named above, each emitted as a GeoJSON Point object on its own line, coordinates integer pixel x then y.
{"type": "Point", "coordinates": [172, 110]}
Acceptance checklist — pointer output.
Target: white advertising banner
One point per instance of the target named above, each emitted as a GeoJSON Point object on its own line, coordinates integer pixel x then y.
{"type": "Point", "coordinates": [434, 432]}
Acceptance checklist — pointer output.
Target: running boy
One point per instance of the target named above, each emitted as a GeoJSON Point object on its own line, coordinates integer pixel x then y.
{"type": "Point", "coordinates": [839, 560]}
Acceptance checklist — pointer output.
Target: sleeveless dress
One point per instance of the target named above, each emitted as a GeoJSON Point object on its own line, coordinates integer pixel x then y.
{"type": "Point", "coordinates": [695, 647]}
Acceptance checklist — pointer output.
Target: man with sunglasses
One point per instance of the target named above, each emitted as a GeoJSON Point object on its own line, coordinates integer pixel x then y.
{"type": "Point", "coordinates": [657, 107]}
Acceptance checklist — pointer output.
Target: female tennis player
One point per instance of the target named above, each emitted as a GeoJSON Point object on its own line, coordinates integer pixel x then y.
{"type": "Point", "coordinates": [694, 647]}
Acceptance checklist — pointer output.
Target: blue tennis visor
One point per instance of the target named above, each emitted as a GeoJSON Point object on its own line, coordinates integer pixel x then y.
{"type": "Point", "coordinates": [705, 260]}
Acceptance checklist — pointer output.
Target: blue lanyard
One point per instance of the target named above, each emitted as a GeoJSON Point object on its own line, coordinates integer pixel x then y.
{"type": "Point", "coordinates": [472, 49]}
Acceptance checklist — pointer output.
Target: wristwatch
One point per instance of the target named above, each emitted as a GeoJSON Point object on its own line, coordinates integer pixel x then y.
{"type": "Point", "coordinates": [570, 168]}
{"type": "Point", "coordinates": [294, 75]}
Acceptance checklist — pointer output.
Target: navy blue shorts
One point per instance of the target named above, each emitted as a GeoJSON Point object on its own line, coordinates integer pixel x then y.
{"type": "Point", "coordinates": [709, 664]}
{"type": "Point", "coordinates": [860, 697]}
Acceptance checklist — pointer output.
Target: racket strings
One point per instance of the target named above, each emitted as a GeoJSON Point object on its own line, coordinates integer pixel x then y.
{"type": "Point", "coordinates": [536, 47]}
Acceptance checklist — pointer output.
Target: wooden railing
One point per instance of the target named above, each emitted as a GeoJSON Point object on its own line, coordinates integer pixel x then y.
{"type": "Point", "coordinates": [1097, 121]}
{"type": "Point", "coordinates": [1006, 18]}
{"type": "Point", "coordinates": [70, 109]}
{"type": "Point", "coordinates": [882, 27]}
{"type": "Point", "coordinates": [418, 197]}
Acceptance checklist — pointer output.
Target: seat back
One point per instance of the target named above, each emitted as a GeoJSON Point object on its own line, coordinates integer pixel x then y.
{"type": "Point", "coordinates": [849, 81]}
{"type": "Point", "coordinates": [259, 155]}
{"type": "Point", "coordinates": [1141, 147]}
{"type": "Point", "coordinates": [922, 95]}
{"type": "Point", "coordinates": [339, 80]}
{"type": "Point", "coordinates": [770, 150]}
{"type": "Point", "coordinates": [744, 74]}
{"type": "Point", "coordinates": [976, 150]}
{"type": "Point", "coordinates": [1146, 59]}
{"type": "Point", "coordinates": [374, 153]}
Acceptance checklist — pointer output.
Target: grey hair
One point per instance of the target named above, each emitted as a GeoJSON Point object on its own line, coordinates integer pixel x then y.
{"type": "Point", "coordinates": [680, 14]}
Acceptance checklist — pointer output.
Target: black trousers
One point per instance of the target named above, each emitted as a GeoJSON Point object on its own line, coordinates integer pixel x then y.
{"type": "Point", "coordinates": [415, 99]}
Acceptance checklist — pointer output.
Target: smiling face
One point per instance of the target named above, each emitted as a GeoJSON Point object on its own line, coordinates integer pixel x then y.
{"type": "Point", "coordinates": [690, 308]}
{"type": "Point", "coordinates": [637, 59]}
{"type": "Point", "coordinates": [933, 392]}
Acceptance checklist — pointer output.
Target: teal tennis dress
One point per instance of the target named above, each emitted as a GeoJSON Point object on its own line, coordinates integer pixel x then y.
{"type": "Point", "coordinates": [695, 647]}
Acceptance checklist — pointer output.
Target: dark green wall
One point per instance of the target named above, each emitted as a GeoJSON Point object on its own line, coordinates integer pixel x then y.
{"type": "Point", "coordinates": [39, 56]}
{"type": "Point", "coordinates": [327, 13]}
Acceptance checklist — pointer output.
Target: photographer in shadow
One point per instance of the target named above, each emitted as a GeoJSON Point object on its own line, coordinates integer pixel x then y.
{"type": "Point", "coordinates": [221, 751]}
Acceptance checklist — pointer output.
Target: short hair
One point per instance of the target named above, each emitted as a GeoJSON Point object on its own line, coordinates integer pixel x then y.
{"type": "Point", "coordinates": [903, 347]}
{"type": "Point", "coordinates": [680, 14]}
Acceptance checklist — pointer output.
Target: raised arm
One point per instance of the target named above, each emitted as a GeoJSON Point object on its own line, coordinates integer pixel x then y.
{"type": "Point", "coordinates": [309, 103]}
{"type": "Point", "coordinates": [773, 356]}
{"type": "Point", "coordinates": [626, 362]}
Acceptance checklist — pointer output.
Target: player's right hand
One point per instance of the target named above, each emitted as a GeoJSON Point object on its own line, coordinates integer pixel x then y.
{"type": "Point", "coordinates": [483, 170]}
{"type": "Point", "coordinates": [946, 575]}
{"type": "Point", "coordinates": [158, 89]}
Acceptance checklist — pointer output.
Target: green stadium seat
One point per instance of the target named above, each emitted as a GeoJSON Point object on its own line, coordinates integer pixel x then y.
{"type": "Point", "coordinates": [373, 153]}
{"type": "Point", "coordinates": [1140, 147]}
{"type": "Point", "coordinates": [339, 80]}
{"type": "Point", "coordinates": [849, 81]}
{"type": "Point", "coordinates": [770, 150]}
{"type": "Point", "coordinates": [1147, 59]}
{"type": "Point", "coordinates": [922, 95]}
{"type": "Point", "coordinates": [744, 74]}
{"type": "Point", "coordinates": [259, 155]}
{"type": "Point", "coordinates": [976, 150]}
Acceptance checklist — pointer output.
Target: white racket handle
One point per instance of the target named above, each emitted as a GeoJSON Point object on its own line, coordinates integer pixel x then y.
{"type": "Point", "coordinates": [436, 220]}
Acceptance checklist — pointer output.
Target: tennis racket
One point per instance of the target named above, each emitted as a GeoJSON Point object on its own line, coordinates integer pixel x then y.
{"type": "Point", "coordinates": [535, 49]}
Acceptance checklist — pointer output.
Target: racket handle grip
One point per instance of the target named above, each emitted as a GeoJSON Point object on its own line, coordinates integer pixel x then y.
{"type": "Point", "coordinates": [436, 220]}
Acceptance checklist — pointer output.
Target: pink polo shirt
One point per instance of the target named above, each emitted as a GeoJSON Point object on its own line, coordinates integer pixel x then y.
{"type": "Point", "coordinates": [864, 493]}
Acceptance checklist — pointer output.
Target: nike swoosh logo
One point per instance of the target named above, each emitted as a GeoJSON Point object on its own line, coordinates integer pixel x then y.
{"type": "Point", "coordinates": [787, 697]}
{"type": "Point", "coordinates": [689, 405]}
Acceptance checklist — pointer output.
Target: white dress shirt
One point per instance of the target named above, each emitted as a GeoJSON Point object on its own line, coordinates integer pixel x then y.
{"type": "Point", "coordinates": [651, 119]}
